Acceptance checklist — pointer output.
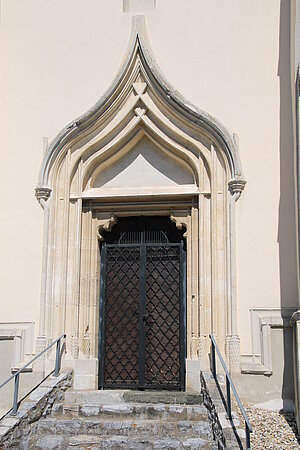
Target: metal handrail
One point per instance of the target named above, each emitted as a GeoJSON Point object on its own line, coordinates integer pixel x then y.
{"type": "Point", "coordinates": [229, 384]}
{"type": "Point", "coordinates": [16, 375]}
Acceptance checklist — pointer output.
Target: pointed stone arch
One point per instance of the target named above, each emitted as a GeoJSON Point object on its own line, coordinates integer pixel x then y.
{"type": "Point", "coordinates": [141, 118]}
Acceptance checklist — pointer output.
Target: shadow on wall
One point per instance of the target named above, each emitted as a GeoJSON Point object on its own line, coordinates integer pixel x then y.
{"type": "Point", "coordinates": [287, 220]}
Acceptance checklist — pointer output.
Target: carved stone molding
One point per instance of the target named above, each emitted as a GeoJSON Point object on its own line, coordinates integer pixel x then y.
{"type": "Point", "coordinates": [232, 350]}
{"type": "Point", "coordinates": [194, 347]}
{"type": "Point", "coordinates": [42, 194]}
{"type": "Point", "coordinates": [139, 88]}
{"type": "Point", "coordinates": [180, 222]}
{"type": "Point", "coordinates": [140, 112]}
{"type": "Point", "coordinates": [75, 347]}
{"type": "Point", "coordinates": [202, 344]}
{"type": "Point", "coordinates": [236, 187]}
{"type": "Point", "coordinates": [41, 344]}
{"type": "Point", "coordinates": [295, 317]}
{"type": "Point", "coordinates": [105, 224]}
{"type": "Point", "coordinates": [140, 56]}
{"type": "Point", "coordinates": [140, 104]}
{"type": "Point", "coordinates": [87, 345]}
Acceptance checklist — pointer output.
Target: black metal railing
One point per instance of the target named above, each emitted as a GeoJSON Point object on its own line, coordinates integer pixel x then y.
{"type": "Point", "coordinates": [16, 375]}
{"type": "Point", "coordinates": [229, 386]}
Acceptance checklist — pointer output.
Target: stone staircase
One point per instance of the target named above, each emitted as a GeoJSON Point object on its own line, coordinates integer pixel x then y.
{"type": "Point", "coordinates": [123, 420]}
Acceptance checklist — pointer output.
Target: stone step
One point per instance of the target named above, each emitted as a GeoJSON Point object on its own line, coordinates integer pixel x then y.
{"type": "Point", "coordinates": [132, 428]}
{"type": "Point", "coordinates": [84, 442]}
{"type": "Point", "coordinates": [131, 411]}
{"type": "Point", "coordinates": [128, 396]}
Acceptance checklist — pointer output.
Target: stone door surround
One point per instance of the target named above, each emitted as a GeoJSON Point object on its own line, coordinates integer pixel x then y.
{"type": "Point", "coordinates": [193, 174]}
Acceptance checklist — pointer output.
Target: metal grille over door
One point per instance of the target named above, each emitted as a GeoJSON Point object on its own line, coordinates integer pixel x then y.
{"type": "Point", "coordinates": [142, 316]}
{"type": "Point", "coordinates": [162, 365]}
{"type": "Point", "coordinates": [121, 315]}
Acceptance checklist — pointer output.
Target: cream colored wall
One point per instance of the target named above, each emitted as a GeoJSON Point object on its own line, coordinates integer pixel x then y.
{"type": "Point", "coordinates": [232, 72]}
{"type": "Point", "coordinates": [144, 166]}
{"type": "Point", "coordinates": [57, 59]}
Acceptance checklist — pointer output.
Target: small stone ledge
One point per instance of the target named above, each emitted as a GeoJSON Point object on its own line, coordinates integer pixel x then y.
{"type": "Point", "coordinates": [255, 368]}
{"type": "Point", "coordinates": [223, 431]}
{"type": "Point", "coordinates": [36, 405]}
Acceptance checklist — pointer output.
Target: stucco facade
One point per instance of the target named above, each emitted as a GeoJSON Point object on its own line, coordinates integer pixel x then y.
{"type": "Point", "coordinates": [215, 145]}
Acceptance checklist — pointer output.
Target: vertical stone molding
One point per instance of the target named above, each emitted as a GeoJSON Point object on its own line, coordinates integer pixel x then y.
{"type": "Point", "coordinates": [75, 347]}
{"type": "Point", "coordinates": [51, 349]}
{"type": "Point", "coordinates": [40, 345]}
{"type": "Point", "coordinates": [194, 347]}
{"type": "Point", "coordinates": [202, 344]}
{"type": "Point", "coordinates": [233, 353]}
{"type": "Point", "coordinates": [87, 345]}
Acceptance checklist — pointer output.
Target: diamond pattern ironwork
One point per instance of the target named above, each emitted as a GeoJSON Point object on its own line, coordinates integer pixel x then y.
{"type": "Point", "coordinates": [162, 352]}
{"type": "Point", "coordinates": [122, 315]}
{"type": "Point", "coordinates": [142, 341]}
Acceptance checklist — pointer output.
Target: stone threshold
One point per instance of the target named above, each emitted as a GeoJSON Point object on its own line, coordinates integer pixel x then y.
{"type": "Point", "coordinates": [115, 396]}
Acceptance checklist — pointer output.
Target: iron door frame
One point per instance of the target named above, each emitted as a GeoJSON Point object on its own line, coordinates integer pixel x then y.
{"type": "Point", "coordinates": [142, 318]}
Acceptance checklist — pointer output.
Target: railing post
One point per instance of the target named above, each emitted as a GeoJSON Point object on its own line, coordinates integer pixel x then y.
{"type": "Point", "coordinates": [248, 443]}
{"type": "Point", "coordinates": [16, 394]}
{"type": "Point", "coordinates": [229, 386]}
{"type": "Point", "coordinates": [213, 357]}
{"type": "Point", "coordinates": [228, 399]}
{"type": "Point", "coordinates": [16, 375]}
{"type": "Point", "coordinates": [57, 359]}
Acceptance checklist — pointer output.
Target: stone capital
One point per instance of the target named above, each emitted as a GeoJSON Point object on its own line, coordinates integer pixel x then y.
{"type": "Point", "coordinates": [42, 194]}
{"type": "Point", "coordinates": [236, 187]}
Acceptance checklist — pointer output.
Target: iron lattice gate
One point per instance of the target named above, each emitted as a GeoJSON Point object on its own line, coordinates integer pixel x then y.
{"type": "Point", "coordinates": [142, 316]}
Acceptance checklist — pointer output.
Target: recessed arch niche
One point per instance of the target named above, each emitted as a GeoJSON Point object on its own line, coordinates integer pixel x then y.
{"type": "Point", "coordinates": [141, 150]}
{"type": "Point", "coordinates": [144, 164]}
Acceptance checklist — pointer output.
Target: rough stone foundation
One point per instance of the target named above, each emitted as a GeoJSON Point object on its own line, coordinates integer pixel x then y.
{"type": "Point", "coordinates": [38, 404]}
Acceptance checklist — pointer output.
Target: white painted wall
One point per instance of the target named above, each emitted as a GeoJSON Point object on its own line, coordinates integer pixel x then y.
{"type": "Point", "coordinates": [230, 58]}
